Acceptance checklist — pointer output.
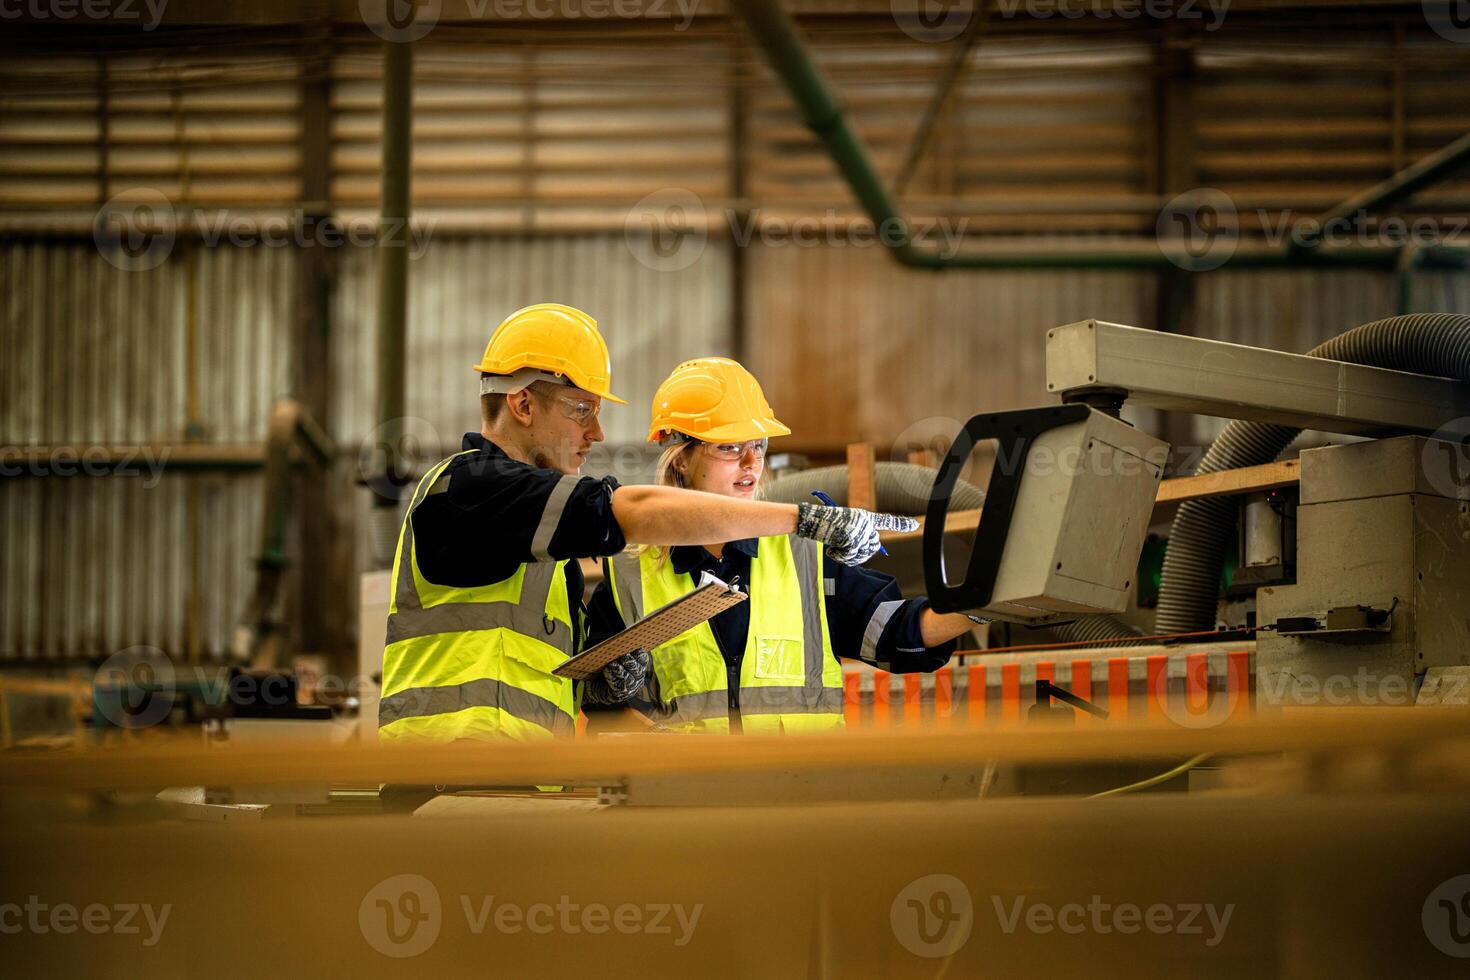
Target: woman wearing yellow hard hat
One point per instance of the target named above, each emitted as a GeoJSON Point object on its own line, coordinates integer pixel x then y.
{"type": "Point", "coordinates": [770, 664]}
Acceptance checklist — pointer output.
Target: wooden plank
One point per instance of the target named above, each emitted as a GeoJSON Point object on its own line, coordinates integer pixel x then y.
{"type": "Point", "coordinates": [45, 687]}
{"type": "Point", "coordinates": [163, 761]}
{"type": "Point", "coordinates": [1247, 479]}
{"type": "Point", "coordinates": [922, 457]}
{"type": "Point", "coordinates": [861, 489]}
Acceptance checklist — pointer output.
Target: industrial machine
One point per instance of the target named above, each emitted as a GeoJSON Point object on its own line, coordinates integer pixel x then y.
{"type": "Point", "coordinates": [1354, 571]}
{"type": "Point", "coordinates": [1065, 514]}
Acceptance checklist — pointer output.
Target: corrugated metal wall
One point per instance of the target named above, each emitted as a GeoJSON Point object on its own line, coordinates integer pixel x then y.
{"type": "Point", "coordinates": [94, 565]}
{"type": "Point", "coordinates": [848, 344]}
{"type": "Point", "coordinates": [462, 287]}
{"type": "Point", "coordinates": [99, 356]}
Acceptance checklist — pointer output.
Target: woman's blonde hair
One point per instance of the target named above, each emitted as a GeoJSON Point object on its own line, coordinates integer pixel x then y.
{"type": "Point", "coordinates": [666, 474]}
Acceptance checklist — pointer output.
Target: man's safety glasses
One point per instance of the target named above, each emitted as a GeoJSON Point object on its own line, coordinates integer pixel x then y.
{"type": "Point", "coordinates": [579, 410]}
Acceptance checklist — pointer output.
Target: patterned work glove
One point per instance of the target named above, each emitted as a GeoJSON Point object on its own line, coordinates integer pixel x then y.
{"type": "Point", "coordinates": [619, 680]}
{"type": "Point", "coordinates": [851, 535]}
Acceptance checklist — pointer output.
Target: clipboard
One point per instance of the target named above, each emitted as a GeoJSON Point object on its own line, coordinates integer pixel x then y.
{"type": "Point", "coordinates": [708, 600]}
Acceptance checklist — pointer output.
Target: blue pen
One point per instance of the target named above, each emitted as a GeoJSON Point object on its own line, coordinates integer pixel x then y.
{"type": "Point", "coordinates": [832, 503]}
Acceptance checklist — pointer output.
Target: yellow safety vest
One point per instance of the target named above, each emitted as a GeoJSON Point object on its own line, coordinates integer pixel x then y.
{"type": "Point", "coordinates": [789, 679]}
{"type": "Point", "coordinates": [476, 662]}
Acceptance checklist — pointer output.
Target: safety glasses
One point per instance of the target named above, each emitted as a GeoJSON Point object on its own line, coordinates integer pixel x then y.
{"type": "Point", "coordinates": [580, 410]}
{"type": "Point", "coordinates": [736, 450]}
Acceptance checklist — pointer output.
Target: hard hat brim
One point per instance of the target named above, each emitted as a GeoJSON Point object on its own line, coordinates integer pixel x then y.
{"type": "Point", "coordinates": [733, 432]}
{"type": "Point", "coordinates": [590, 389]}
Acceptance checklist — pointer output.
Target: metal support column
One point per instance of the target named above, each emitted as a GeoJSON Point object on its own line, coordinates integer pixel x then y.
{"type": "Point", "coordinates": [393, 237]}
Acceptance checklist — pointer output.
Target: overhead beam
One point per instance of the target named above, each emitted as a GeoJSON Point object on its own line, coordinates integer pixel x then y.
{"type": "Point", "coordinates": [1413, 178]}
{"type": "Point", "coordinates": [953, 69]}
{"type": "Point", "coordinates": [1209, 377]}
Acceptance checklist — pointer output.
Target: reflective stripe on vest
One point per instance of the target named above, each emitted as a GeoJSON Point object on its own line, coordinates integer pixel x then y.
{"type": "Point", "coordinates": [789, 679]}
{"type": "Point", "coordinates": [476, 662]}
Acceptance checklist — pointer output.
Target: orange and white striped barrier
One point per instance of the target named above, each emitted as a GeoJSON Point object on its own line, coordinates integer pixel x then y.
{"type": "Point", "coordinates": [1191, 688]}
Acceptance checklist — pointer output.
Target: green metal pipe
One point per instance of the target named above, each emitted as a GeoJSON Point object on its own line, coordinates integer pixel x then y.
{"type": "Point", "coordinates": [776, 34]}
{"type": "Point", "coordinates": [1412, 178]}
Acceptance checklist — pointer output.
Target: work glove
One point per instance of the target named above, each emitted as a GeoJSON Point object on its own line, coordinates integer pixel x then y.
{"type": "Point", "coordinates": [851, 535]}
{"type": "Point", "coordinates": [619, 680]}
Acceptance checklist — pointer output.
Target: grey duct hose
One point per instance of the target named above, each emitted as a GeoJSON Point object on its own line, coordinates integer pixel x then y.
{"type": "Point", "coordinates": [900, 488]}
{"type": "Point", "coordinates": [1435, 344]}
{"type": "Point", "coordinates": [1099, 631]}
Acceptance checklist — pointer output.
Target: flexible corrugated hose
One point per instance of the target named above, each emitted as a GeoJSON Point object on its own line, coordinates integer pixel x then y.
{"type": "Point", "coordinates": [1436, 344]}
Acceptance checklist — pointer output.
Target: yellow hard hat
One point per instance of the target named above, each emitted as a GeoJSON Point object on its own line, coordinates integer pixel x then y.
{"type": "Point", "coordinates": [712, 399]}
{"type": "Point", "coordinates": [559, 340]}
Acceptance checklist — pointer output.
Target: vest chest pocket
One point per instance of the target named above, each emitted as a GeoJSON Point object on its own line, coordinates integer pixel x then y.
{"type": "Point", "coordinates": [780, 658]}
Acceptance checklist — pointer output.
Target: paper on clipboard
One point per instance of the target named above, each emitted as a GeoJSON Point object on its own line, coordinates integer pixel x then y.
{"type": "Point", "coordinates": [710, 598]}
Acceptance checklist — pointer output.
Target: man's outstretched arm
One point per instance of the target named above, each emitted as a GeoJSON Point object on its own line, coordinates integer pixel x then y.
{"type": "Point", "coordinates": [671, 516]}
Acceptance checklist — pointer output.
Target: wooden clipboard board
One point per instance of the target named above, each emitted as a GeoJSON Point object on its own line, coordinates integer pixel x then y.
{"type": "Point", "coordinates": [711, 598]}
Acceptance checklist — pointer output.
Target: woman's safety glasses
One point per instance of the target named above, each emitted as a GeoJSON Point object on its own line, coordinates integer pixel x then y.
{"type": "Point", "coordinates": [736, 450]}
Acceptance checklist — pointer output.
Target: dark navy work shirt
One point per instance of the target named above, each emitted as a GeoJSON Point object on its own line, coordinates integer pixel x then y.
{"type": "Point", "coordinates": [482, 528]}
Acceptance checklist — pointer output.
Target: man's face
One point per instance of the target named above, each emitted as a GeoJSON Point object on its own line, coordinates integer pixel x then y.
{"type": "Point", "coordinates": [565, 425]}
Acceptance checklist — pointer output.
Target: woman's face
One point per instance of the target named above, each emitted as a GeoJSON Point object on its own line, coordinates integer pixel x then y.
{"type": "Point", "coordinates": [710, 469]}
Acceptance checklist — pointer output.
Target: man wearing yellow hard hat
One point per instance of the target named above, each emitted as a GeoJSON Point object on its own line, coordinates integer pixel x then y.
{"type": "Point", "coordinates": [768, 665]}
{"type": "Point", "coordinates": [487, 591]}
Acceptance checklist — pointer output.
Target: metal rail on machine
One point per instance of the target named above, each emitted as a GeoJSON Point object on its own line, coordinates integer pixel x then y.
{"type": "Point", "coordinates": [1208, 377]}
